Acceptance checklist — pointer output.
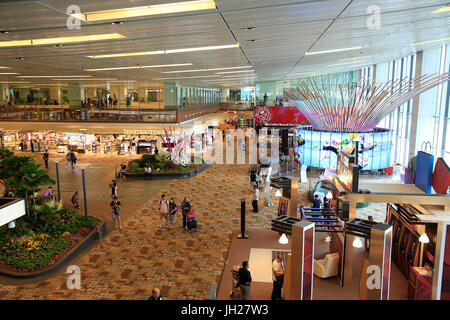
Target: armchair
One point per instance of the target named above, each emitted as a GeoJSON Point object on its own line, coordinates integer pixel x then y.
{"type": "Point", "coordinates": [327, 267]}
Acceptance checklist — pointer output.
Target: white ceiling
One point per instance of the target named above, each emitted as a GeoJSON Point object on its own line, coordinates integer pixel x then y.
{"type": "Point", "coordinates": [283, 31]}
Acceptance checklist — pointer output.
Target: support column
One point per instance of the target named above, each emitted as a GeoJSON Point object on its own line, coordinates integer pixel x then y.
{"type": "Point", "coordinates": [415, 110]}
{"type": "Point", "coordinates": [441, 273]}
{"type": "Point", "coordinates": [76, 94]}
{"type": "Point", "coordinates": [299, 273]}
{"type": "Point", "coordinates": [170, 94]}
{"type": "Point", "coordinates": [4, 94]}
{"type": "Point", "coordinates": [379, 270]}
{"type": "Point", "coordinates": [55, 94]}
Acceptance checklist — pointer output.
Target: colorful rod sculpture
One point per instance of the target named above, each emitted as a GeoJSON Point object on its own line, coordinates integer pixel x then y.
{"type": "Point", "coordinates": [356, 106]}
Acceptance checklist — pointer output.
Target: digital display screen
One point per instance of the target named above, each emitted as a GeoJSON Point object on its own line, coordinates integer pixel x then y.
{"type": "Point", "coordinates": [312, 148]}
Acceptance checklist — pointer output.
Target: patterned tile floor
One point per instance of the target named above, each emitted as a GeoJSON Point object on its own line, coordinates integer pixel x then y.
{"type": "Point", "coordinates": [129, 263]}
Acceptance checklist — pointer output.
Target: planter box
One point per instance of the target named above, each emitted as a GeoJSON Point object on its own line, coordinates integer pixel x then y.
{"type": "Point", "coordinates": [11, 209]}
{"type": "Point", "coordinates": [170, 175]}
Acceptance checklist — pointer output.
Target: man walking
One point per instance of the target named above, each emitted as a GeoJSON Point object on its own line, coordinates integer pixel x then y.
{"type": "Point", "coordinates": [245, 279]}
{"type": "Point", "coordinates": [277, 276]}
{"type": "Point", "coordinates": [255, 198]}
{"type": "Point", "coordinates": [45, 157]}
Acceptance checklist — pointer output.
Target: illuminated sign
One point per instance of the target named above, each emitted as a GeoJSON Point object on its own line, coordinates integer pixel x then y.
{"type": "Point", "coordinates": [143, 131]}
{"type": "Point", "coordinates": [347, 171]}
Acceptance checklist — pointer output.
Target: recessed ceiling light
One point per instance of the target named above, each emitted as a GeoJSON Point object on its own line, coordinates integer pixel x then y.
{"type": "Point", "coordinates": [8, 73]}
{"type": "Point", "coordinates": [204, 70]}
{"type": "Point", "coordinates": [148, 10]}
{"type": "Point", "coordinates": [426, 42]}
{"type": "Point", "coordinates": [334, 50]}
{"type": "Point", "coordinates": [345, 63]}
{"type": "Point", "coordinates": [19, 58]}
{"type": "Point", "coordinates": [57, 45]}
{"type": "Point", "coordinates": [4, 32]}
{"type": "Point", "coordinates": [195, 77]}
{"type": "Point", "coordinates": [142, 67]}
{"type": "Point", "coordinates": [249, 28]}
{"type": "Point", "coordinates": [241, 71]}
{"type": "Point", "coordinates": [252, 40]}
{"type": "Point", "coordinates": [55, 77]}
{"type": "Point", "coordinates": [362, 57]}
{"type": "Point", "coordinates": [37, 42]}
{"type": "Point", "coordinates": [443, 9]}
{"type": "Point", "coordinates": [144, 53]}
{"type": "Point", "coordinates": [117, 22]}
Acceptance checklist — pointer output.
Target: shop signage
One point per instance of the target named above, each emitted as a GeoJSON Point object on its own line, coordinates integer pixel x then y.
{"type": "Point", "coordinates": [279, 116]}
{"type": "Point", "coordinates": [143, 131]}
{"type": "Point", "coordinates": [347, 171]}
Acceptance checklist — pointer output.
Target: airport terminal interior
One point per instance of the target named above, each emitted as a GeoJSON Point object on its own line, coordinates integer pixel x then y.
{"type": "Point", "coordinates": [225, 150]}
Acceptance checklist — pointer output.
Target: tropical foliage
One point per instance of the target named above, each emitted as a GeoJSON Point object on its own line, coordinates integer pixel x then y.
{"type": "Point", "coordinates": [158, 162]}
{"type": "Point", "coordinates": [41, 234]}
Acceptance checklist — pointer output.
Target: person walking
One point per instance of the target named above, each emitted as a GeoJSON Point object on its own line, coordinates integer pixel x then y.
{"type": "Point", "coordinates": [116, 211]}
{"type": "Point", "coordinates": [75, 200]}
{"type": "Point", "coordinates": [115, 100]}
{"type": "Point", "coordinates": [45, 157]}
{"type": "Point", "coordinates": [123, 170]}
{"type": "Point", "coordinates": [163, 211]}
{"type": "Point", "coordinates": [72, 159]}
{"type": "Point", "coordinates": [255, 199]}
{"type": "Point", "coordinates": [113, 185]}
{"type": "Point", "coordinates": [185, 208]}
{"type": "Point", "coordinates": [245, 279]}
{"type": "Point", "coordinates": [316, 202]}
{"type": "Point", "coordinates": [173, 208]}
{"type": "Point", "coordinates": [277, 276]}
{"type": "Point", "coordinates": [148, 172]}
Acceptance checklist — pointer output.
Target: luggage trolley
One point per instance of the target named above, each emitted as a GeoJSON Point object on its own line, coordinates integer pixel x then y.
{"type": "Point", "coordinates": [234, 282]}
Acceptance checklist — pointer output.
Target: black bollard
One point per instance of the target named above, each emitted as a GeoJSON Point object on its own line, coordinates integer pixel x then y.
{"type": "Point", "coordinates": [243, 234]}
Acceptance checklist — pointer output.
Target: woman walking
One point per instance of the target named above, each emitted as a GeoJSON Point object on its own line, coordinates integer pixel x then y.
{"type": "Point", "coordinates": [172, 210]}
{"type": "Point", "coordinates": [113, 187]}
{"type": "Point", "coordinates": [116, 211]}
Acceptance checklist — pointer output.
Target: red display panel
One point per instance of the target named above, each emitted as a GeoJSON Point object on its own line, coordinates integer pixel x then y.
{"type": "Point", "coordinates": [279, 116]}
{"type": "Point", "coordinates": [308, 264]}
{"type": "Point", "coordinates": [441, 177]}
{"type": "Point", "coordinates": [445, 286]}
{"type": "Point", "coordinates": [386, 266]}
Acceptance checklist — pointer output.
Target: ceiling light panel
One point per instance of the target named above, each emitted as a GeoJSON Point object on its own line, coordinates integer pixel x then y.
{"type": "Point", "coordinates": [46, 41]}
{"type": "Point", "coordinates": [149, 10]}
{"type": "Point", "coordinates": [142, 67]}
{"type": "Point", "coordinates": [144, 53]}
{"type": "Point", "coordinates": [205, 70]}
{"type": "Point", "coordinates": [334, 50]}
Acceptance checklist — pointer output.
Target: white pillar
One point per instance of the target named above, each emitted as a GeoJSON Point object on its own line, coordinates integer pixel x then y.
{"type": "Point", "coordinates": [415, 109]}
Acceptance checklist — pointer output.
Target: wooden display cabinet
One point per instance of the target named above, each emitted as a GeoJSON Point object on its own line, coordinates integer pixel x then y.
{"type": "Point", "coordinates": [420, 283]}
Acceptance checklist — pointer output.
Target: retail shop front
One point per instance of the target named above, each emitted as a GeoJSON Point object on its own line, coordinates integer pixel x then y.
{"type": "Point", "coordinates": [129, 141]}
